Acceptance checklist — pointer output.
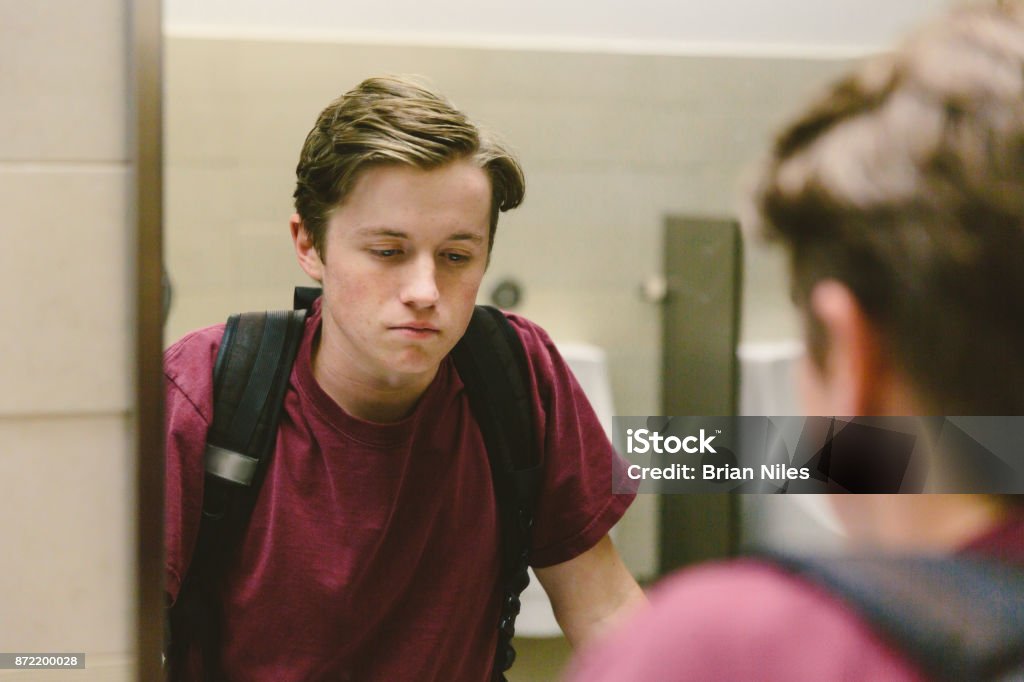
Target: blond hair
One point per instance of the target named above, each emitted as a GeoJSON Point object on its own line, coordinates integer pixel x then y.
{"type": "Point", "coordinates": [392, 120]}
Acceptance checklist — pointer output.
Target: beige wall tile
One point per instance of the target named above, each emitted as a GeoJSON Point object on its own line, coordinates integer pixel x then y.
{"type": "Point", "coordinates": [201, 197]}
{"type": "Point", "coordinates": [192, 310]}
{"type": "Point", "coordinates": [264, 192]}
{"type": "Point", "coordinates": [199, 64]}
{"type": "Point", "coordinates": [755, 88]}
{"type": "Point", "coordinates": [201, 101]}
{"type": "Point", "coordinates": [66, 570]}
{"type": "Point", "coordinates": [66, 272]}
{"type": "Point", "coordinates": [768, 311]}
{"type": "Point", "coordinates": [200, 127]}
{"type": "Point", "coordinates": [550, 76]}
{"type": "Point", "coordinates": [267, 257]}
{"type": "Point", "coordinates": [274, 126]}
{"type": "Point", "coordinates": [200, 216]}
{"type": "Point", "coordinates": [599, 226]}
{"type": "Point", "coordinates": [63, 80]}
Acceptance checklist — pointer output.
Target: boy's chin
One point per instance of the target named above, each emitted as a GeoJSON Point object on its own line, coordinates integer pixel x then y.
{"type": "Point", "coordinates": [412, 364]}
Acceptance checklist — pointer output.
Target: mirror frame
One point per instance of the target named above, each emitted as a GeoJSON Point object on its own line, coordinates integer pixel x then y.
{"type": "Point", "coordinates": [145, 125]}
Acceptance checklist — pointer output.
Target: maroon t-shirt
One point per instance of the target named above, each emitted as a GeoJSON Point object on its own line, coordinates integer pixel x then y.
{"type": "Point", "coordinates": [372, 552]}
{"type": "Point", "coordinates": [749, 620]}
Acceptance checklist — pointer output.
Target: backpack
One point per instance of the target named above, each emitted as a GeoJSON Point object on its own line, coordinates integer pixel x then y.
{"type": "Point", "coordinates": [957, 617]}
{"type": "Point", "coordinates": [251, 376]}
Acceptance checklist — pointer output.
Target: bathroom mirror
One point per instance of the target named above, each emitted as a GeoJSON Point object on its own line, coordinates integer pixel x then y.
{"type": "Point", "coordinates": [621, 117]}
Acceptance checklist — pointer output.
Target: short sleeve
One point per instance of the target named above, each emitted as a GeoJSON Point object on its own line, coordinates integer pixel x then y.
{"type": "Point", "coordinates": [576, 506]}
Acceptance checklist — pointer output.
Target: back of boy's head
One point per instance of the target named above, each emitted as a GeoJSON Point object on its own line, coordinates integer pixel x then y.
{"type": "Point", "coordinates": [905, 182]}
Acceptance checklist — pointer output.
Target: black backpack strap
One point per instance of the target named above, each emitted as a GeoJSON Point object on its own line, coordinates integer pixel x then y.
{"type": "Point", "coordinates": [251, 375]}
{"type": "Point", "coordinates": [492, 365]}
{"type": "Point", "coordinates": [957, 617]}
{"type": "Point", "coordinates": [304, 297]}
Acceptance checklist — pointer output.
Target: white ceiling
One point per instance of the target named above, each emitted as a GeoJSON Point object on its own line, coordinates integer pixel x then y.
{"type": "Point", "coordinates": [646, 25]}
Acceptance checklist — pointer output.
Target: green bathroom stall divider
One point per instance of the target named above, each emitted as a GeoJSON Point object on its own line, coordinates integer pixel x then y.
{"type": "Point", "coordinates": [700, 374]}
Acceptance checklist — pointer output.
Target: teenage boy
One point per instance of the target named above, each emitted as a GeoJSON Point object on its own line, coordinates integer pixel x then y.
{"type": "Point", "coordinates": [372, 551]}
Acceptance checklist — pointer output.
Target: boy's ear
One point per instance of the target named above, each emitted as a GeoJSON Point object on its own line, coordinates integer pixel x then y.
{"type": "Point", "coordinates": [309, 259]}
{"type": "Point", "coordinates": [855, 378]}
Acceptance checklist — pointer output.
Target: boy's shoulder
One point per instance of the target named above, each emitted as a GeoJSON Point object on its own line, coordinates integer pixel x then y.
{"type": "Point", "coordinates": [198, 347]}
{"type": "Point", "coordinates": [535, 339]}
{"type": "Point", "coordinates": [189, 362]}
{"type": "Point", "coordinates": [744, 619]}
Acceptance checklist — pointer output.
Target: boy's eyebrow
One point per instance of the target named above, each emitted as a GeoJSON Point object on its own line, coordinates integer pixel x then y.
{"type": "Point", "coordinates": [380, 232]}
{"type": "Point", "coordinates": [388, 232]}
{"type": "Point", "coordinates": [466, 236]}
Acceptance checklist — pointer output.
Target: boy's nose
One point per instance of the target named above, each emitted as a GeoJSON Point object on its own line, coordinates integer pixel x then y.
{"type": "Point", "coordinates": [420, 286]}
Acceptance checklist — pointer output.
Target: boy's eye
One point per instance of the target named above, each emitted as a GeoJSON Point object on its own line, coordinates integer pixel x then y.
{"type": "Point", "coordinates": [456, 257]}
{"type": "Point", "coordinates": [385, 253]}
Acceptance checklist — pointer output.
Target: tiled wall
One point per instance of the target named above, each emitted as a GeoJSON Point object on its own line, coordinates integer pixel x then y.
{"type": "Point", "coordinates": [66, 474]}
{"type": "Point", "coordinates": [611, 144]}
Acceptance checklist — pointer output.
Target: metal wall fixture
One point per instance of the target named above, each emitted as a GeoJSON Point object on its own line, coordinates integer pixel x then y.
{"type": "Point", "coordinates": [507, 294]}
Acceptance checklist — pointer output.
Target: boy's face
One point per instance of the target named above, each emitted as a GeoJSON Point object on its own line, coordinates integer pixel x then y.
{"type": "Point", "coordinates": [404, 257]}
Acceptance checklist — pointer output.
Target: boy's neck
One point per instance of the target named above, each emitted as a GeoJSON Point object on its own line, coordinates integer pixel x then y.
{"type": "Point", "coordinates": [918, 523]}
{"type": "Point", "coordinates": [382, 400]}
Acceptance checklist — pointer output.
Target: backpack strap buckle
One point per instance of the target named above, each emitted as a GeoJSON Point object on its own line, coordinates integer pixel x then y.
{"type": "Point", "coordinates": [230, 466]}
